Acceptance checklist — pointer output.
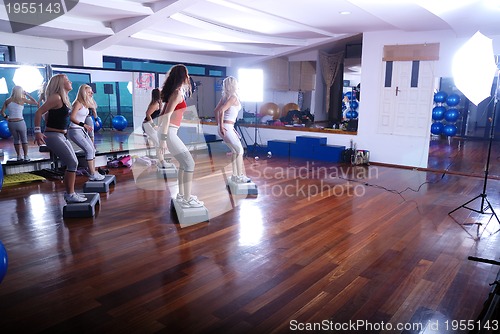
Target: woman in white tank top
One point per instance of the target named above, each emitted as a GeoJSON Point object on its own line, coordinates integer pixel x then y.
{"type": "Point", "coordinates": [17, 126]}
{"type": "Point", "coordinates": [226, 113]}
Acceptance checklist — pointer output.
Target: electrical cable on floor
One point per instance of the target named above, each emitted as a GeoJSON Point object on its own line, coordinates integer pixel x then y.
{"type": "Point", "coordinates": [393, 191]}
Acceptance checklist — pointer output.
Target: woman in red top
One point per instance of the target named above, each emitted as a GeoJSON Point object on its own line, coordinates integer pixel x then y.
{"type": "Point", "coordinates": [175, 88]}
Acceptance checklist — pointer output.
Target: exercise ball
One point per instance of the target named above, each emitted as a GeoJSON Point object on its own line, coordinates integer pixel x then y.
{"type": "Point", "coordinates": [453, 100]}
{"type": "Point", "coordinates": [354, 105]}
{"type": "Point", "coordinates": [354, 114]}
{"type": "Point", "coordinates": [437, 128]}
{"type": "Point", "coordinates": [450, 130]}
{"type": "Point", "coordinates": [4, 262]}
{"type": "Point", "coordinates": [438, 113]}
{"type": "Point", "coordinates": [440, 97]}
{"type": "Point", "coordinates": [349, 114]}
{"type": "Point", "coordinates": [119, 122]}
{"type": "Point", "coordinates": [97, 123]}
{"type": "Point", "coordinates": [451, 115]}
{"type": "Point", "coordinates": [350, 95]}
{"type": "Point", "coordinates": [4, 130]}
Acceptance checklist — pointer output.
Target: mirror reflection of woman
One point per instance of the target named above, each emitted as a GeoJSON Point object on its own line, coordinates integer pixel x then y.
{"type": "Point", "coordinates": [14, 105]}
{"type": "Point", "coordinates": [80, 132]}
{"type": "Point", "coordinates": [175, 88]}
{"type": "Point", "coordinates": [91, 118]}
{"type": "Point", "coordinates": [149, 126]}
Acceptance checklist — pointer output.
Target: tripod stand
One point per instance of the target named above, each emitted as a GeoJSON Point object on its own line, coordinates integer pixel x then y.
{"type": "Point", "coordinates": [256, 131]}
{"type": "Point", "coordinates": [485, 203]}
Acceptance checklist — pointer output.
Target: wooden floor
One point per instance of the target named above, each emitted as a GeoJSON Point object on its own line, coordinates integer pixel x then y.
{"type": "Point", "coordinates": [321, 244]}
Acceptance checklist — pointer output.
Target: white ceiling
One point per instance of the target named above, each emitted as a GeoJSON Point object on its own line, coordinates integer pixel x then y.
{"type": "Point", "coordinates": [247, 28]}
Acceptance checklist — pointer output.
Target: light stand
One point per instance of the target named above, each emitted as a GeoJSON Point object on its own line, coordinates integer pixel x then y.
{"type": "Point", "coordinates": [485, 203]}
{"type": "Point", "coordinates": [108, 90]}
{"type": "Point", "coordinates": [251, 86]}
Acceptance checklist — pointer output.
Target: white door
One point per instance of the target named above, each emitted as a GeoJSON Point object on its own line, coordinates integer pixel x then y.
{"type": "Point", "coordinates": [407, 95]}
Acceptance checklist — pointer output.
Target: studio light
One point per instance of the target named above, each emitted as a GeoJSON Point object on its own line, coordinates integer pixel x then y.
{"type": "Point", "coordinates": [251, 89]}
{"type": "Point", "coordinates": [28, 77]}
{"type": "Point", "coordinates": [251, 82]}
{"type": "Point", "coordinates": [3, 86]}
{"type": "Point", "coordinates": [474, 68]}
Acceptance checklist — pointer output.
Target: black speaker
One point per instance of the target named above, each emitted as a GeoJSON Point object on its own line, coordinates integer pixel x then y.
{"type": "Point", "coordinates": [93, 86]}
{"type": "Point", "coordinates": [108, 89]}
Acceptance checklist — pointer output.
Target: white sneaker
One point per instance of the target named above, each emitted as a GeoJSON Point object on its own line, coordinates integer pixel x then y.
{"type": "Point", "coordinates": [81, 196]}
{"type": "Point", "coordinates": [96, 177]}
{"type": "Point", "coordinates": [74, 198]}
{"type": "Point", "coordinates": [234, 178]}
{"type": "Point", "coordinates": [192, 202]}
{"type": "Point", "coordinates": [164, 164]}
{"type": "Point", "coordinates": [26, 158]}
{"type": "Point", "coordinates": [179, 198]}
{"type": "Point", "coordinates": [243, 179]}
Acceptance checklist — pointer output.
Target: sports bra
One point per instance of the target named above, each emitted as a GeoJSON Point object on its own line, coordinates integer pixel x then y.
{"type": "Point", "coordinates": [58, 118]}
{"type": "Point", "coordinates": [232, 113]}
{"type": "Point", "coordinates": [15, 110]}
{"type": "Point", "coordinates": [154, 115]}
{"type": "Point", "coordinates": [178, 113]}
{"type": "Point", "coordinates": [81, 115]}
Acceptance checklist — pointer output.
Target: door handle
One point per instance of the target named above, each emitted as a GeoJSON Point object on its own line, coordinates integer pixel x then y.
{"type": "Point", "coordinates": [397, 90]}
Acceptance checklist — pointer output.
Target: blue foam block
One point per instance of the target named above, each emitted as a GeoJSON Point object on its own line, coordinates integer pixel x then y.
{"type": "Point", "coordinates": [301, 151]}
{"type": "Point", "coordinates": [279, 148]}
{"type": "Point", "coordinates": [310, 140]}
{"type": "Point", "coordinates": [330, 153]}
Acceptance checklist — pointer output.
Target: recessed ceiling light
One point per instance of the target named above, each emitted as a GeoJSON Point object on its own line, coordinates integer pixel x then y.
{"type": "Point", "coordinates": [344, 12]}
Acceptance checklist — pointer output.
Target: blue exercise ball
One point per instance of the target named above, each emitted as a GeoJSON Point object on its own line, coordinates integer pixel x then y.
{"type": "Point", "coordinates": [450, 130]}
{"type": "Point", "coordinates": [438, 113]}
{"type": "Point", "coordinates": [453, 100]}
{"type": "Point", "coordinates": [119, 122]}
{"type": "Point", "coordinates": [354, 105]}
{"type": "Point", "coordinates": [4, 130]}
{"type": "Point", "coordinates": [451, 115]}
{"type": "Point", "coordinates": [97, 123]}
{"type": "Point", "coordinates": [440, 97]}
{"type": "Point", "coordinates": [354, 114]}
{"type": "Point", "coordinates": [437, 128]}
{"type": "Point", "coordinates": [4, 262]}
{"type": "Point", "coordinates": [349, 114]}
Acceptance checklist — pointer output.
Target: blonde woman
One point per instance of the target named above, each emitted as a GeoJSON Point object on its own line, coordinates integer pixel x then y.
{"type": "Point", "coordinates": [57, 107]}
{"type": "Point", "coordinates": [226, 113]}
{"type": "Point", "coordinates": [91, 118]}
{"type": "Point", "coordinates": [17, 126]}
{"type": "Point", "coordinates": [79, 131]}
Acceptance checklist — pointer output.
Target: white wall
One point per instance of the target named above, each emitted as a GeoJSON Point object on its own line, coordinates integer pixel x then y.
{"type": "Point", "coordinates": [37, 50]}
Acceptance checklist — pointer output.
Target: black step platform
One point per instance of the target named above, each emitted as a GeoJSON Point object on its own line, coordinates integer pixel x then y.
{"type": "Point", "coordinates": [100, 186]}
{"type": "Point", "coordinates": [82, 210]}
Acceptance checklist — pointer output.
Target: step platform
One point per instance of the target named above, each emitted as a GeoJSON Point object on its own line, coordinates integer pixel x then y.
{"type": "Point", "coordinates": [82, 210]}
{"type": "Point", "coordinates": [190, 216]}
{"type": "Point", "coordinates": [248, 188]}
{"type": "Point", "coordinates": [170, 171]}
{"type": "Point", "coordinates": [100, 186]}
